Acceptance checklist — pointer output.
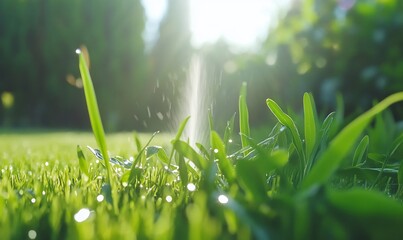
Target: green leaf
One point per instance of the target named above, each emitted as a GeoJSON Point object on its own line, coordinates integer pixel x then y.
{"type": "Point", "coordinates": [287, 121]}
{"type": "Point", "coordinates": [342, 144]}
{"type": "Point", "coordinates": [82, 161]}
{"type": "Point", "coordinates": [310, 123]}
{"type": "Point", "coordinates": [243, 117]}
{"type": "Point", "coordinates": [360, 151]}
{"type": "Point", "coordinates": [224, 163]}
{"type": "Point", "coordinates": [93, 111]}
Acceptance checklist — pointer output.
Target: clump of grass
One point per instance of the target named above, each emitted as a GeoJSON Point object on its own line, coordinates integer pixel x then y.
{"type": "Point", "coordinates": [307, 180]}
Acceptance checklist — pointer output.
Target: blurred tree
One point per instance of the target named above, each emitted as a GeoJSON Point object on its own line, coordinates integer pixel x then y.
{"type": "Point", "coordinates": [37, 44]}
{"type": "Point", "coordinates": [346, 45]}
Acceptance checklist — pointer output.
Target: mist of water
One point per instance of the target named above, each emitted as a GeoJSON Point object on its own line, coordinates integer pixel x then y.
{"type": "Point", "coordinates": [195, 103]}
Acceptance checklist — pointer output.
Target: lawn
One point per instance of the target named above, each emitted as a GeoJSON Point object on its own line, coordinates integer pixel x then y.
{"type": "Point", "coordinates": [312, 177]}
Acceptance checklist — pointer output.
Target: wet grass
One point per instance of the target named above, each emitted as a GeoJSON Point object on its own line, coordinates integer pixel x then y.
{"type": "Point", "coordinates": [308, 179]}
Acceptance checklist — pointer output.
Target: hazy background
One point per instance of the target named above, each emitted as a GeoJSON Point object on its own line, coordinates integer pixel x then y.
{"type": "Point", "coordinates": [140, 52]}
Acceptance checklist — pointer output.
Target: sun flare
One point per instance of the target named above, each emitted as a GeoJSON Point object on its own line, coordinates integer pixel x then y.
{"type": "Point", "coordinates": [239, 22]}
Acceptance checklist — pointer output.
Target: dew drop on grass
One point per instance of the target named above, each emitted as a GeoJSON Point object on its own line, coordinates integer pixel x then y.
{"type": "Point", "coordinates": [230, 140]}
{"type": "Point", "coordinates": [78, 51]}
{"type": "Point", "coordinates": [191, 187]}
{"type": "Point", "coordinates": [21, 192]}
{"type": "Point", "coordinates": [216, 150]}
{"type": "Point", "coordinates": [223, 199]}
{"type": "Point", "coordinates": [46, 164]}
{"type": "Point", "coordinates": [168, 198]}
{"type": "Point", "coordinates": [124, 184]}
{"type": "Point", "coordinates": [43, 193]}
{"type": "Point", "coordinates": [33, 200]}
{"type": "Point", "coordinates": [82, 215]}
{"type": "Point", "coordinates": [32, 234]}
{"type": "Point", "coordinates": [100, 198]}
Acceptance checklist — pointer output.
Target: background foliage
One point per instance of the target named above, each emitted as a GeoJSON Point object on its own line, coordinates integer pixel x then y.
{"type": "Point", "coordinates": [347, 46]}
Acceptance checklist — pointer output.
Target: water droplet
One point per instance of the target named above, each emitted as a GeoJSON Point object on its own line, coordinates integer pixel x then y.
{"type": "Point", "coordinates": [124, 184]}
{"type": "Point", "coordinates": [160, 116]}
{"type": "Point", "coordinates": [216, 150]}
{"type": "Point", "coordinates": [43, 193]}
{"type": "Point", "coordinates": [149, 112]}
{"type": "Point", "coordinates": [46, 164]}
{"type": "Point", "coordinates": [97, 161]}
{"type": "Point", "coordinates": [33, 200]}
{"type": "Point", "coordinates": [21, 192]}
{"type": "Point", "coordinates": [68, 182]}
{"type": "Point", "coordinates": [191, 187]}
{"type": "Point", "coordinates": [82, 215]}
{"type": "Point", "coordinates": [230, 140]}
{"type": "Point", "coordinates": [32, 234]}
{"type": "Point", "coordinates": [223, 199]}
{"type": "Point", "coordinates": [168, 198]}
{"type": "Point", "coordinates": [100, 198]}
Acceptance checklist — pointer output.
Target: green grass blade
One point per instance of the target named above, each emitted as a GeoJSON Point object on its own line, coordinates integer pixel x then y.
{"type": "Point", "coordinates": [82, 161]}
{"type": "Point", "coordinates": [342, 144]}
{"type": "Point", "coordinates": [400, 179]}
{"type": "Point", "coordinates": [224, 163]}
{"type": "Point", "coordinates": [310, 124]}
{"type": "Point", "coordinates": [93, 111]}
{"type": "Point", "coordinates": [229, 129]}
{"type": "Point", "coordinates": [360, 151]}
{"type": "Point", "coordinates": [396, 144]}
{"type": "Point", "coordinates": [183, 171]}
{"type": "Point", "coordinates": [243, 117]}
{"type": "Point", "coordinates": [178, 136]}
{"type": "Point", "coordinates": [287, 121]}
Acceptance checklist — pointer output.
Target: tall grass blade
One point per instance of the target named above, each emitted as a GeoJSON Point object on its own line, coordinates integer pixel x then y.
{"type": "Point", "coordinates": [342, 144]}
{"type": "Point", "coordinates": [287, 121]}
{"type": "Point", "coordinates": [229, 129]}
{"type": "Point", "coordinates": [224, 163]}
{"type": "Point", "coordinates": [82, 161]}
{"type": "Point", "coordinates": [178, 136]}
{"type": "Point", "coordinates": [310, 124]}
{"type": "Point", "coordinates": [243, 116]}
{"type": "Point", "coordinates": [360, 151]}
{"type": "Point", "coordinates": [93, 111]}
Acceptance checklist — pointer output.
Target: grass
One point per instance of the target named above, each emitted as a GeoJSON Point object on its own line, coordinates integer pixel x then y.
{"type": "Point", "coordinates": [309, 179]}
